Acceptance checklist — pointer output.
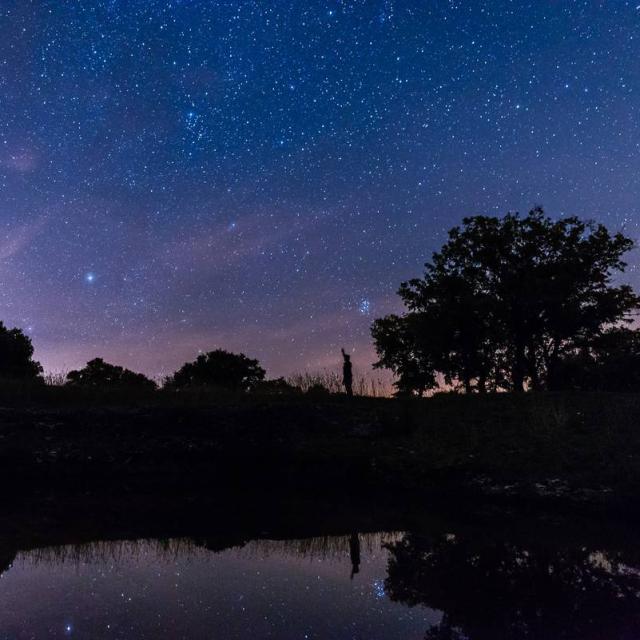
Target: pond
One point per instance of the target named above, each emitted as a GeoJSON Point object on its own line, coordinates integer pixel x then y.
{"type": "Point", "coordinates": [328, 587]}
{"type": "Point", "coordinates": [477, 583]}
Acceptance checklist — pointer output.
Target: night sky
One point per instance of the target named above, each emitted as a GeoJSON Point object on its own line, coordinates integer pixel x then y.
{"type": "Point", "coordinates": [260, 176]}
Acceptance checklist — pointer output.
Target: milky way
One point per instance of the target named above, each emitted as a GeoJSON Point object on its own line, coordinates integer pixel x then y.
{"type": "Point", "coordinates": [178, 176]}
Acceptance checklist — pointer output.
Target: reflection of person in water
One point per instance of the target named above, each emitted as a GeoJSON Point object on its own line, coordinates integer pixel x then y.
{"type": "Point", "coordinates": [354, 552]}
{"type": "Point", "coordinates": [347, 373]}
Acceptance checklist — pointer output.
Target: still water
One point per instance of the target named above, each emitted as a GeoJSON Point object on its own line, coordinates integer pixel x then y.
{"type": "Point", "coordinates": [180, 589]}
{"type": "Point", "coordinates": [445, 585]}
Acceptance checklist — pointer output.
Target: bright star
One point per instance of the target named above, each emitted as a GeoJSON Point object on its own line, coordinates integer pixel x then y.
{"type": "Point", "coordinates": [90, 277]}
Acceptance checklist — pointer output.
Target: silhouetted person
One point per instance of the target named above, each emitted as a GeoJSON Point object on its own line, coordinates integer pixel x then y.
{"type": "Point", "coordinates": [354, 552]}
{"type": "Point", "coordinates": [347, 373]}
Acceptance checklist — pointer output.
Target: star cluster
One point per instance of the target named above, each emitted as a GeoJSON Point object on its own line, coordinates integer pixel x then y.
{"type": "Point", "coordinates": [181, 175]}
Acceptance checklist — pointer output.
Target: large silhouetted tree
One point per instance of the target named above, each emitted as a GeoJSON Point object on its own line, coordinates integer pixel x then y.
{"type": "Point", "coordinates": [16, 355]}
{"type": "Point", "coordinates": [505, 299]}
{"type": "Point", "coordinates": [100, 374]}
{"type": "Point", "coordinates": [221, 369]}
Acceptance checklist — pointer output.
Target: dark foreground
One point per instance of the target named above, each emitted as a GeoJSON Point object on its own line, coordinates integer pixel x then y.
{"type": "Point", "coordinates": [581, 451]}
{"type": "Point", "coordinates": [452, 518]}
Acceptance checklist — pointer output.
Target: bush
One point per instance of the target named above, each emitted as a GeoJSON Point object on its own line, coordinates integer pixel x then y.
{"type": "Point", "coordinates": [98, 373]}
{"type": "Point", "coordinates": [219, 368]}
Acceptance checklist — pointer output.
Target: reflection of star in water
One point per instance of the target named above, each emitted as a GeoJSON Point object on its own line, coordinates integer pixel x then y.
{"type": "Point", "coordinates": [378, 588]}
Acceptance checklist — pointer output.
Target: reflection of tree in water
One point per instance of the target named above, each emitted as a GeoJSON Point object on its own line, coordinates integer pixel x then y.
{"type": "Point", "coordinates": [491, 590]}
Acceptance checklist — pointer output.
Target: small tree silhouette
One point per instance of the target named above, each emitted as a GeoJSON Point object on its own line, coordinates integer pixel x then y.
{"type": "Point", "coordinates": [219, 368]}
{"type": "Point", "coordinates": [16, 355]}
{"type": "Point", "coordinates": [98, 373]}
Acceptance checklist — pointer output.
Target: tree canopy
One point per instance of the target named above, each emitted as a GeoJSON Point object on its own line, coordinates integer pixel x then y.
{"type": "Point", "coordinates": [16, 355]}
{"type": "Point", "coordinates": [221, 369]}
{"type": "Point", "coordinates": [98, 373]}
{"type": "Point", "coordinates": [504, 301]}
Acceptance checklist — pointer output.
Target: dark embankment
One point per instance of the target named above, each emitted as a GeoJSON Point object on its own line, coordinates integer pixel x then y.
{"type": "Point", "coordinates": [582, 449]}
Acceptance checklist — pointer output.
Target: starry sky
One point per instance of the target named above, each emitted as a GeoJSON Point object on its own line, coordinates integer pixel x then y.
{"type": "Point", "coordinates": [183, 175]}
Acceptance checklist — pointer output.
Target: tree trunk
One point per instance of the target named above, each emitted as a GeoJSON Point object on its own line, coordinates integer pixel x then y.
{"type": "Point", "coordinates": [552, 369]}
{"type": "Point", "coordinates": [518, 368]}
{"type": "Point", "coordinates": [518, 333]}
{"type": "Point", "coordinates": [533, 368]}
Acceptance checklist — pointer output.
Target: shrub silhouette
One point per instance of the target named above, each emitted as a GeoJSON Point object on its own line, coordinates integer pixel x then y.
{"type": "Point", "coordinates": [219, 368]}
{"type": "Point", "coordinates": [16, 355]}
{"type": "Point", "coordinates": [98, 373]}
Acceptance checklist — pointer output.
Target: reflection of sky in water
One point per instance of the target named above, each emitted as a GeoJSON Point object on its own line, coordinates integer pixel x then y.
{"type": "Point", "coordinates": [269, 589]}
